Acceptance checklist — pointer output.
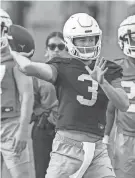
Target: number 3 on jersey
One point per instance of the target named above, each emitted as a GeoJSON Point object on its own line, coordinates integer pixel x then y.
{"type": "Point", "coordinates": [93, 89]}
{"type": "Point", "coordinates": [131, 94]}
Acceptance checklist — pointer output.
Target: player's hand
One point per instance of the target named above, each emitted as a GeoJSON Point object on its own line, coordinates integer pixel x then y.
{"type": "Point", "coordinates": [17, 54]}
{"type": "Point", "coordinates": [20, 60]}
{"type": "Point", "coordinates": [99, 70]}
{"type": "Point", "coordinates": [20, 141]}
{"type": "Point", "coordinates": [28, 55]}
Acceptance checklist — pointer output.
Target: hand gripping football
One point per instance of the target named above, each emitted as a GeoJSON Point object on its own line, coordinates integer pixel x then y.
{"type": "Point", "coordinates": [22, 41]}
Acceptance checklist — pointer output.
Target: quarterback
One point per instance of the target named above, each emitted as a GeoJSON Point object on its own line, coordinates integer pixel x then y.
{"type": "Point", "coordinates": [84, 84]}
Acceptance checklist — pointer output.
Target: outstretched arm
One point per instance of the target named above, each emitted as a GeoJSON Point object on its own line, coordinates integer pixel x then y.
{"type": "Point", "coordinates": [116, 94]}
{"type": "Point", "coordinates": [39, 70]}
{"type": "Point", "coordinates": [113, 91]}
{"type": "Point", "coordinates": [110, 116]}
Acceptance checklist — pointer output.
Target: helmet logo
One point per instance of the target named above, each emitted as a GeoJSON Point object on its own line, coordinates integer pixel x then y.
{"type": "Point", "coordinates": [22, 46]}
{"type": "Point", "coordinates": [88, 31]}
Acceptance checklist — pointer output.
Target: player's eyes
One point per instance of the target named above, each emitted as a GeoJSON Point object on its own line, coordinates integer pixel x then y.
{"type": "Point", "coordinates": [91, 40]}
{"type": "Point", "coordinates": [82, 40]}
{"type": "Point", "coordinates": [133, 38]}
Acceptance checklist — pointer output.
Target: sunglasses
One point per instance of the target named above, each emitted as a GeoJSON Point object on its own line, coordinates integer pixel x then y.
{"type": "Point", "coordinates": [53, 46]}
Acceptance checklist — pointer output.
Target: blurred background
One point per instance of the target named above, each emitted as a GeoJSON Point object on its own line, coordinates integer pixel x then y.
{"type": "Point", "coordinates": [43, 17]}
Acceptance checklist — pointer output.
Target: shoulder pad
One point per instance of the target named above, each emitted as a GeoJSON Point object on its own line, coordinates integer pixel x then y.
{"type": "Point", "coordinates": [114, 71]}
{"type": "Point", "coordinates": [119, 61]}
{"type": "Point", "coordinates": [112, 65]}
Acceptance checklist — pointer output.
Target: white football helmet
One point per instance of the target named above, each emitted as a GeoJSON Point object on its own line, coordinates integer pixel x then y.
{"type": "Point", "coordinates": [126, 36]}
{"type": "Point", "coordinates": [82, 25]}
{"type": "Point", "coordinates": [5, 23]}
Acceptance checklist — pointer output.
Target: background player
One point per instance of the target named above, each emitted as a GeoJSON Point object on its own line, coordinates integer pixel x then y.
{"type": "Point", "coordinates": [83, 86]}
{"type": "Point", "coordinates": [123, 133]}
{"type": "Point", "coordinates": [16, 101]}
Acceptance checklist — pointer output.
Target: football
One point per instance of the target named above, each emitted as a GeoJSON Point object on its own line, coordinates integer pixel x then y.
{"type": "Point", "coordinates": [22, 40]}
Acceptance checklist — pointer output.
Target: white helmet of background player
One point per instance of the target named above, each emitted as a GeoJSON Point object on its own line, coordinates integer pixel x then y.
{"type": "Point", "coordinates": [5, 23]}
{"type": "Point", "coordinates": [126, 36]}
{"type": "Point", "coordinates": [82, 25]}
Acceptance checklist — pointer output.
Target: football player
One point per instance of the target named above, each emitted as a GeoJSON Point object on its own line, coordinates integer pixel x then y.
{"type": "Point", "coordinates": [123, 133]}
{"type": "Point", "coordinates": [16, 99]}
{"type": "Point", "coordinates": [84, 84]}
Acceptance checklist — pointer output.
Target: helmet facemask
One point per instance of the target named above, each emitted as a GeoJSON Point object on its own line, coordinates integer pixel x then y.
{"type": "Point", "coordinates": [126, 36]}
{"type": "Point", "coordinates": [89, 53]}
{"type": "Point", "coordinates": [129, 45]}
{"type": "Point", "coordinates": [84, 53]}
{"type": "Point", "coordinates": [3, 39]}
{"type": "Point", "coordinates": [5, 23]}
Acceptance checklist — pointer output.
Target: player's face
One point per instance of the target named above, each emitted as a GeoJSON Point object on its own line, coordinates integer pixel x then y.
{"type": "Point", "coordinates": [88, 41]}
{"type": "Point", "coordinates": [3, 38]}
{"type": "Point", "coordinates": [132, 40]}
{"type": "Point", "coordinates": [55, 47]}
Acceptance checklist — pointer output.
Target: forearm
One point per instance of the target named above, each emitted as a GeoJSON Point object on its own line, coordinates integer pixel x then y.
{"type": "Point", "coordinates": [39, 70]}
{"type": "Point", "coordinates": [110, 117]}
{"type": "Point", "coordinates": [109, 125]}
{"type": "Point", "coordinates": [26, 111]}
{"type": "Point", "coordinates": [117, 96]}
{"type": "Point", "coordinates": [22, 61]}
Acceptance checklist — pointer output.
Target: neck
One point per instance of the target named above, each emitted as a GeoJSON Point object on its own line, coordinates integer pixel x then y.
{"type": "Point", "coordinates": [86, 62]}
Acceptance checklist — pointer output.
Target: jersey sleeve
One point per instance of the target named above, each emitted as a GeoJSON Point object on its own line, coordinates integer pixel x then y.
{"type": "Point", "coordinates": [114, 71]}
{"type": "Point", "coordinates": [116, 83]}
{"type": "Point", "coordinates": [119, 61]}
{"type": "Point", "coordinates": [55, 65]}
{"type": "Point", "coordinates": [56, 61]}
